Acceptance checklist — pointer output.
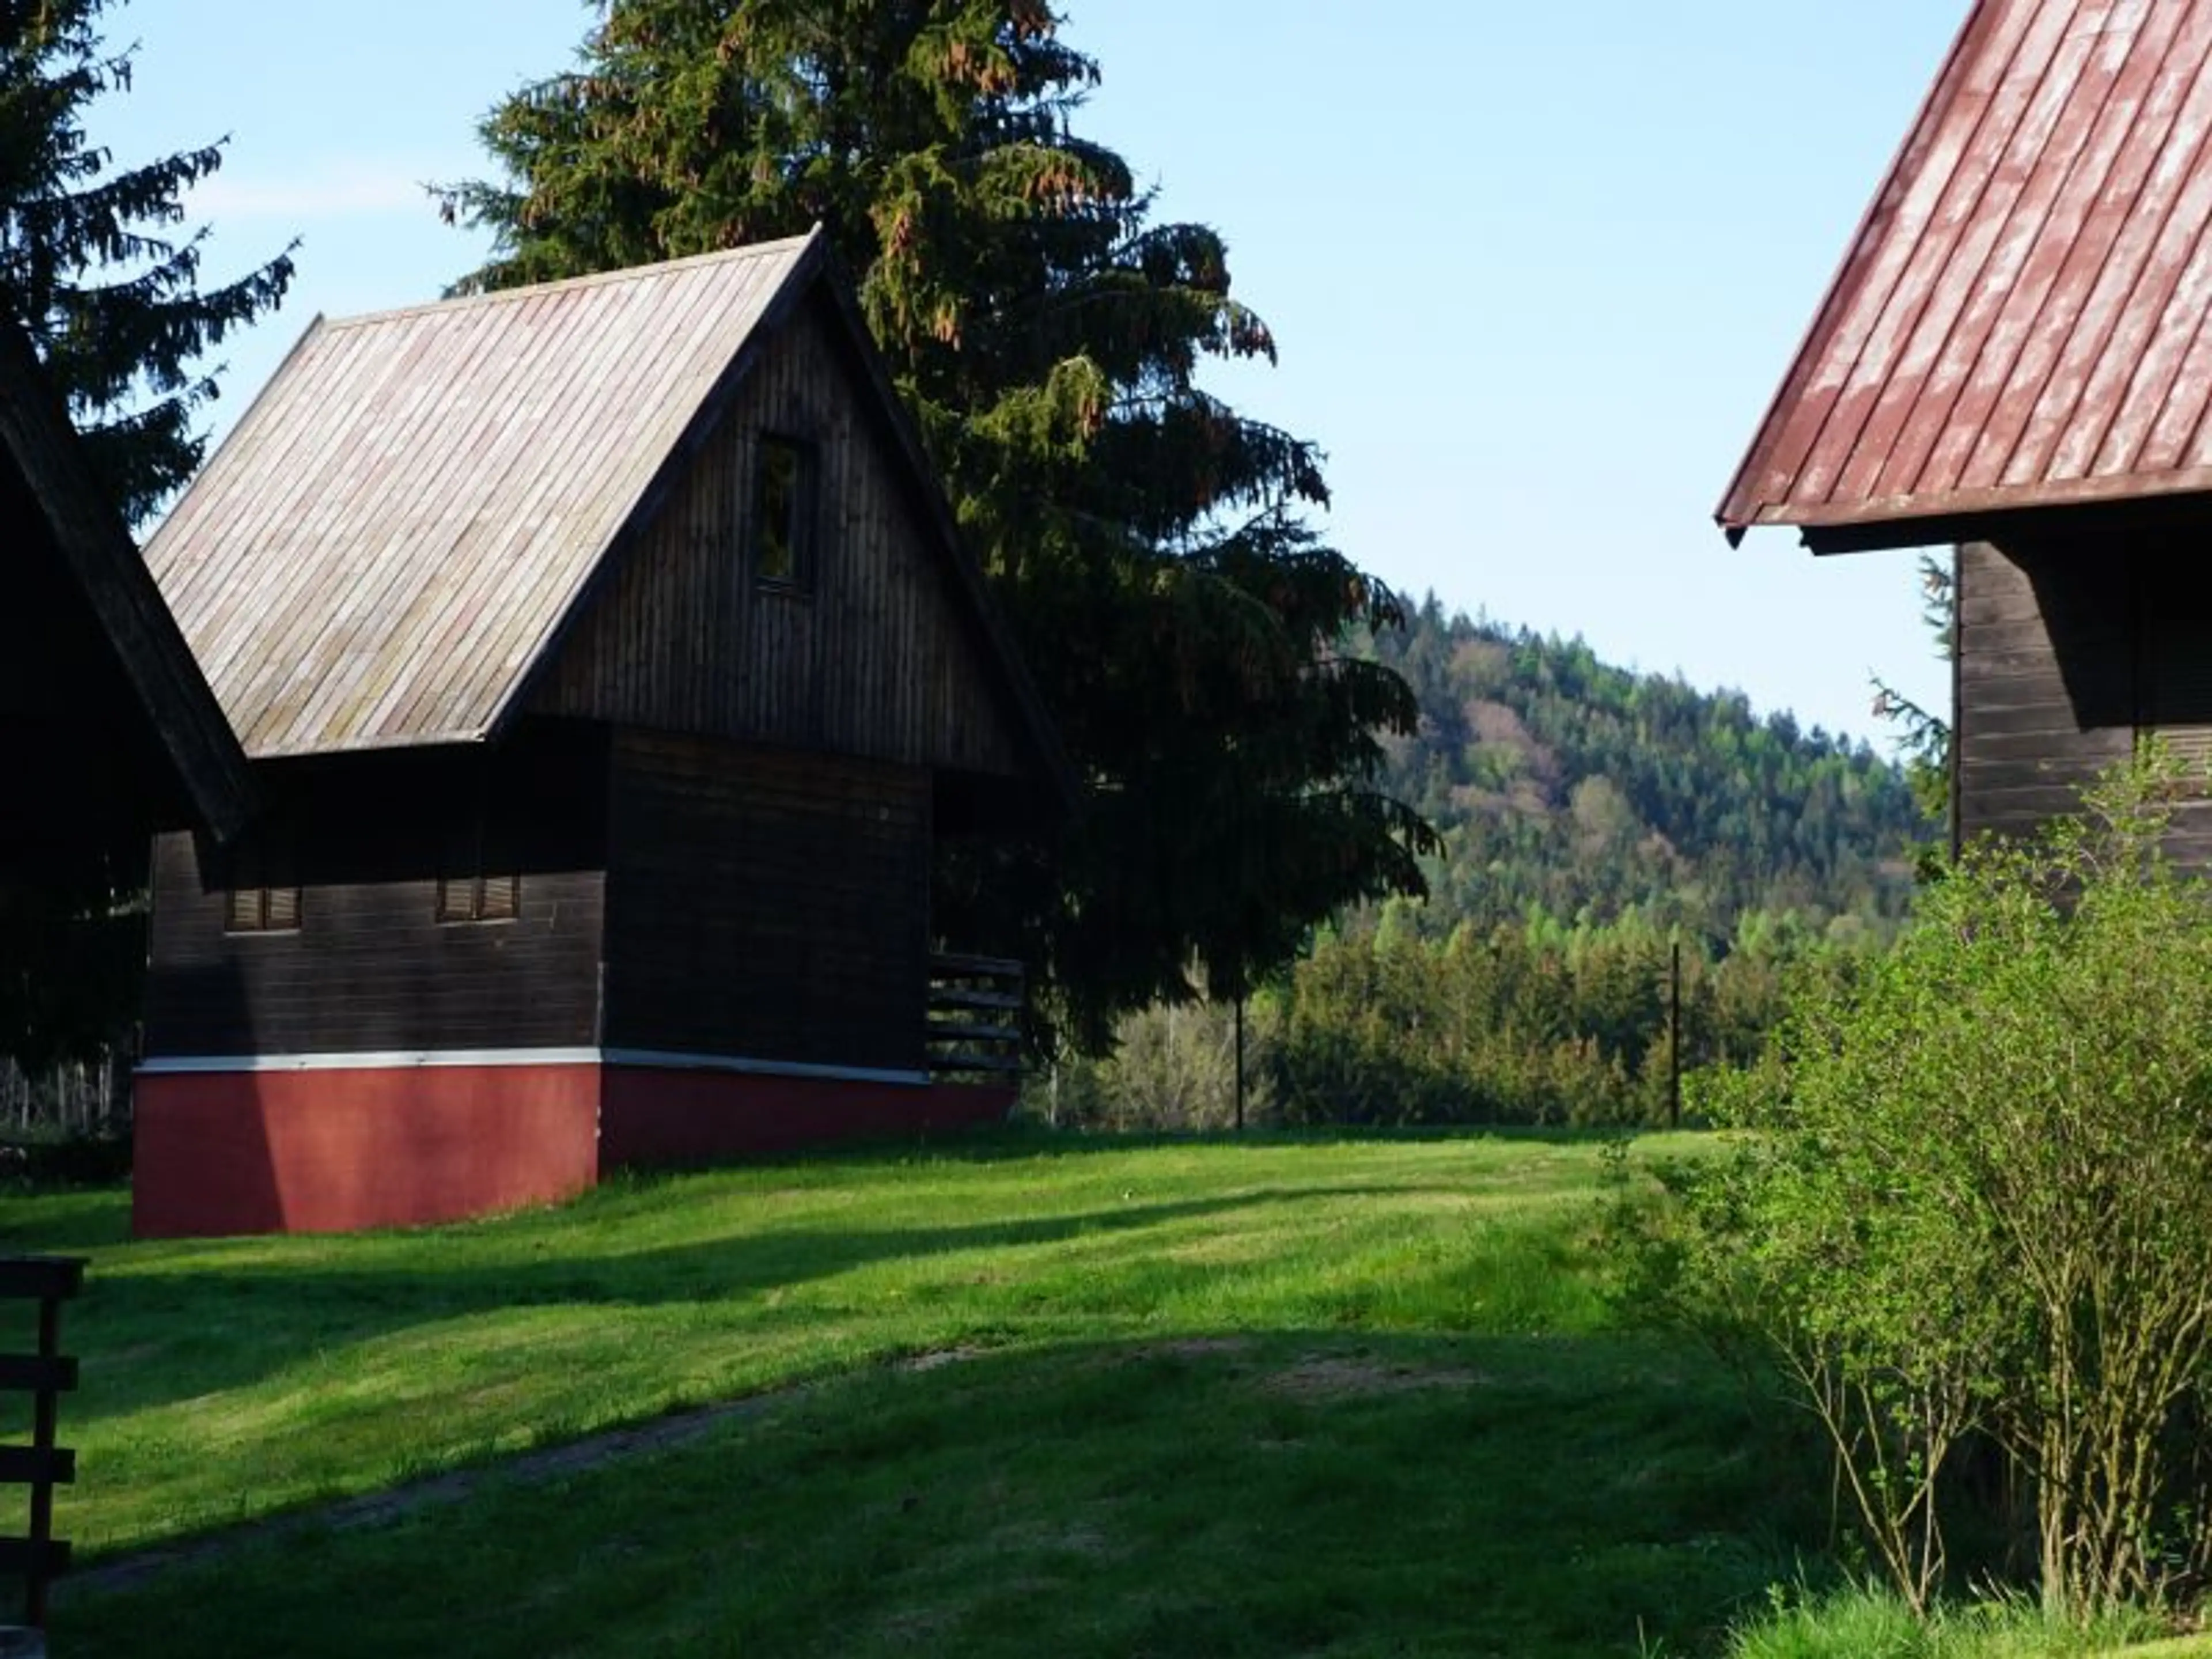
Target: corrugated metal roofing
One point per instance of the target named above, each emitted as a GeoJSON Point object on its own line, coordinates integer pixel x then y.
{"type": "Point", "coordinates": [2022, 321]}
{"type": "Point", "coordinates": [391, 537]}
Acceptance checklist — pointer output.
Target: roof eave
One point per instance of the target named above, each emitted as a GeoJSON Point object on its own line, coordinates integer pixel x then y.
{"type": "Point", "coordinates": [2088, 507]}
{"type": "Point", "coordinates": [149, 650]}
{"type": "Point", "coordinates": [1740, 506]}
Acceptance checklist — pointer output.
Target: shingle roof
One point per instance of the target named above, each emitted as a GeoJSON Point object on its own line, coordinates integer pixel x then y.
{"type": "Point", "coordinates": [85, 533]}
{"type": "Point", "coordinates": [389, 540]}
{"type": "Point", "coordinates": [2021, 320]}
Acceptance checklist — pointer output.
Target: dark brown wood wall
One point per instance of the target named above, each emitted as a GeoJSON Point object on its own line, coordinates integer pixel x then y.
{"type": "Point", "coordinates": [766, 905]}
{"type": "Point", "coordinates": [2046, 679]}
{"type": "Point", "coordinates": [2058, 639]}
{"type": "Point", "coordinates": [869, 655]}
{"type": "Point", "coordinates": [371, 968]}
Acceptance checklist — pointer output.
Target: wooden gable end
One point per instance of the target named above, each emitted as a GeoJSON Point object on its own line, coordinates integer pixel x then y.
{"type": "Point", "coordinates": [854, 641]}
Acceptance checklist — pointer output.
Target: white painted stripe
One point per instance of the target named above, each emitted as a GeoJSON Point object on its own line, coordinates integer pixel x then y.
{"type": "Point", "coordinates": [185, 1065]}
{"type": "Point", "coordinates": [660, 1061]}
{"type": "Point", "coordinates": [209, 1064]}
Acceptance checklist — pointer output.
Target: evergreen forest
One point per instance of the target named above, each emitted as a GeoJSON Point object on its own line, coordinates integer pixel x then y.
{"type": "Point", "coordinates": [1596, 825]}
{"type": "Point", "coordinates": [1566, 787]}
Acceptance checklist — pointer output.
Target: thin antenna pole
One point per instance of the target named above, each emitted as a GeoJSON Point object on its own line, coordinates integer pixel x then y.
{"type": "Point", "coordinates": [1674, 1038]}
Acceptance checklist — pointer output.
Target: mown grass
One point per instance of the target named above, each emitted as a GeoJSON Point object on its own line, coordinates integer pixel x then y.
{"type": "Point", "coordinates": [1357, 1397]}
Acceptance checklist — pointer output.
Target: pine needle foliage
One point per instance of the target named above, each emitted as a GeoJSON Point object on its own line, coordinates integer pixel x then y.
{"type": "Point", "coordinates": [1146, 538]}
{"type": "Point", "coordinates": [92, 263]}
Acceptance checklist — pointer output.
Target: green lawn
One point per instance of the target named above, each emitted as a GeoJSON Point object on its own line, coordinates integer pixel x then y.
{"type": "Point", "coordinates": [1303, 1397]}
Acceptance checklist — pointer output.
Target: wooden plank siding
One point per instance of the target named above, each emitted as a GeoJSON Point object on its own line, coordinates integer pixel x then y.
{"type": "Point", "coordinates": [2046, 688]}
{"type": "Point", "coordinates": [2055, 676]}
{"type": "Point", "coordinates": [871, 654]}
{"type": "Point", "coordinates": [766, 905]}
{"type": "Point", "coordinates": [371, 970]}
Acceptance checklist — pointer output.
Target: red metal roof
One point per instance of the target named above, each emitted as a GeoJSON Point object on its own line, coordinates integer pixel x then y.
{"type": "Point", "coordinates": [2022, 321]}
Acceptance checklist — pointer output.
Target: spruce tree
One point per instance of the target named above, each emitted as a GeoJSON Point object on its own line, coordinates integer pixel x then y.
{"type": "Point", "coordinates": [91, 266]}
{"type": "Point", "coordinates": [1145, 538]}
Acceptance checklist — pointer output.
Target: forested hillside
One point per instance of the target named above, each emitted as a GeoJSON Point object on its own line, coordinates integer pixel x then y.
{"type": "Point", "coordinates": [1591, 818]}
{"type": "Point", "coordinates": [1565, 785]}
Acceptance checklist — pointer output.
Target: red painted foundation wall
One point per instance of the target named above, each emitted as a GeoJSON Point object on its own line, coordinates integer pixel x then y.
{"type": "Point", "coordinates": [666, 1117]}
{"type": "Point", "coordinates": [337, 1150]}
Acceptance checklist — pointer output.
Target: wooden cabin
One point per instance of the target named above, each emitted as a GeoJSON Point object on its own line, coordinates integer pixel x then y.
{"type": "Point", "coordinates": [2015, 360]}
{"type": "Point", "coordinates": [107, 731]}
{"type": "Point", "coordinates": [608, 661]}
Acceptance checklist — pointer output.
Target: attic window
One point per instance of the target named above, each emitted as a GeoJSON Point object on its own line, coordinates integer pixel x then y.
{"type": "Point", "coordinates": [783, 509]}
{"type": "Point", "coordinates": [262, 885]}
{"type": "Point", "coordinates": [475, 883]}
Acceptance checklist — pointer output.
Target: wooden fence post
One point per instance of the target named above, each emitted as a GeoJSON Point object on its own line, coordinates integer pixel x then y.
{"type": "Point", "coordinates": [39, 1557]}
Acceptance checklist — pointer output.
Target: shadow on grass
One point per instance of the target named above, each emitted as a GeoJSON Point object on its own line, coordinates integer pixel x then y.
{"type": "Point", "coordinates": [1297, 1492]}
{"type": "Point", "coordinates": [1029, 1140]}
{"type": "Point", "coordinates": [219, 1326]}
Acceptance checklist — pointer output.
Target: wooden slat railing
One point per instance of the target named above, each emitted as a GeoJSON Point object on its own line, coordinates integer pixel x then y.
{"type": "Point", "coordinates": [974, 1017]}
{"type": "Point", "coordinates": [40, 1558]}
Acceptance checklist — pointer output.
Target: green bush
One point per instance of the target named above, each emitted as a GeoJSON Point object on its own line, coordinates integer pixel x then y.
{"type": "Point", "coordinates": [1971, 1220]}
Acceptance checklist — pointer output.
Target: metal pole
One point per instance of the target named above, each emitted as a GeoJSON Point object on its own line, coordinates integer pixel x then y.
{"type": "Point", "coordinates": [1240, 1063]}
{"type": "Point", "coordinates": [1674, 1038]}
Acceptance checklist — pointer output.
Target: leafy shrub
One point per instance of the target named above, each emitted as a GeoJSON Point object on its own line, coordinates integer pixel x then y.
{"type": "Point", "coordinates": [1974, 1207]}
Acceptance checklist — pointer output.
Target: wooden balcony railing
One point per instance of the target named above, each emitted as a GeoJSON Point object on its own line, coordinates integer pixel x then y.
{"type": "Point", "coordinates": [974, 1019]}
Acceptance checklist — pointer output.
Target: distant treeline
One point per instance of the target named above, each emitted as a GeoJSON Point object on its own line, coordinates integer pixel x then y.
{"type": "Point", "coordinates": [1591, 818]}
{"type": "Point", "coordinates": [1382, 1024]}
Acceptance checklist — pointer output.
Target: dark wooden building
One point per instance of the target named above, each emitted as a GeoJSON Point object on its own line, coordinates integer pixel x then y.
{"type": "Point", "coordinates": [2015, 359]}
{"type": "Point", "coordinates": [608, 661]}
{"type": "Point", "coordinates": [107, 731]}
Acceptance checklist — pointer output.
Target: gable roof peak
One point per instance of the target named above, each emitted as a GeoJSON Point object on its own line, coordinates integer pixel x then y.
{"type": "Point", "coordinates": [788, 251]}
{"type": "Point", "coordinates": [382, 549]}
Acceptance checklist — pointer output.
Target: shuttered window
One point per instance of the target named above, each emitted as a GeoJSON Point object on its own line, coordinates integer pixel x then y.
{"type": "Point", "coordinates": [476, 882]}
{"type": "Point", "coordinates": [783, 510]}
{"type": "Point", "coordinates": [262, 885]}
{"type": "Point", "coordinates": [479, 898]}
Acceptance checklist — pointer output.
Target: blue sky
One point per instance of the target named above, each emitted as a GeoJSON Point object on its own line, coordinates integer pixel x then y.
{"type": "Point", "coordinates": [1534, 270]}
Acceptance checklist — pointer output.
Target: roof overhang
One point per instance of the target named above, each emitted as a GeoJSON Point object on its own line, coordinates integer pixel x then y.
{"type": "Point", "coordinates": [2083, 522]}
{"type": "Point", "coordinates": [2017, 325]}
{"type": "Point", "coordinates": [101, 561]}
